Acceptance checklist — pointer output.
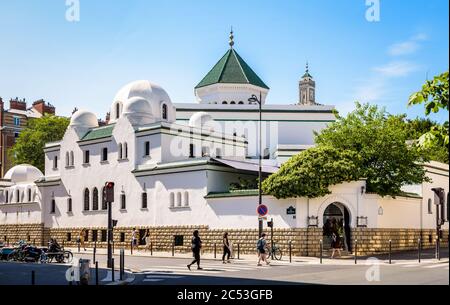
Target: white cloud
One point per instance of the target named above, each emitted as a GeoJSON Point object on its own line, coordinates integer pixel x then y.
{"type": "Point", "coordinates": [396, 69]}
{"type": "Point", "coordinates": [407, 47]}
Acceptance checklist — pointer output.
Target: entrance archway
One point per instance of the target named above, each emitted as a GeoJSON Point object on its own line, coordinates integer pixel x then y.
{"type": "Point", "coordinates": [336, 218]}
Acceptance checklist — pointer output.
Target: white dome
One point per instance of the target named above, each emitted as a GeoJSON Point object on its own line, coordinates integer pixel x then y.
{"type": "Point", "coordinates": [23, 173]}
{"type": "Point", "coordinates": [202, 120]}
{"type": "Point", "coordinates": [84, 119]}
{"type": "Point", "coordinates": [138, 111]}
{"type": "Point", "coordinates": [154, 94]}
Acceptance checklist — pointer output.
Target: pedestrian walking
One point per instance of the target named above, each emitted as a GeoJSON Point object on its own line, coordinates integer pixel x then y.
{"type": "Point", "coordinates": [226, 248]}
{"type": "Point", "coordinates": [196, 246]}
{"type": "Point", "coordinates": [134, 237]}
{"type": "Point", "coordinates": [335, 244]}
{"type": "Point", "coordinates": [261, 247]}
{"type": "Point", "coordinates": [146, 239]}
{"type": "Point", "coordinates": [81, 239]}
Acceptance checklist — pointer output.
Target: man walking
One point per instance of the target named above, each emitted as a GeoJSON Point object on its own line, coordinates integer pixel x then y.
{"type": "Point", "coordinates": [196, 246]}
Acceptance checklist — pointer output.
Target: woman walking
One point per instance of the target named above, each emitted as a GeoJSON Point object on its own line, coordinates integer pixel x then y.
{"type": "Point", "coordinates": [226, 249]}
{"type": "Point", "coordinates": [146, 239]}
{"type": "Point", "coordinates": [196, 246]}
{"type": "Point", "coordinates": [261, 247]}
{"type": "Point", "coordinates": [81, 238]}
{"type": "Point", "coordinates": [335, 244]}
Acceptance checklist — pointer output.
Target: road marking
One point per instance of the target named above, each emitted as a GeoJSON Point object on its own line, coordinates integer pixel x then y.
{"type": "Point", "coordinates": [159, 276]}
{"type": "Point", "coordinates": [435, 266]}
{"type": "Point", "coordinates": [108, 277]}
{"type": "Point", "coordinates": [153, 280]}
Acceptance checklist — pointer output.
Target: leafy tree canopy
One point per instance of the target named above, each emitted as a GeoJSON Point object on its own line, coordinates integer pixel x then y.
{"type": "Point", "coordinates": [312, 172]}
{"type": "Point", "coordinates": [29, 147]}
{"type": "Point", "coordinates": [368, 143]}
{"type": "Point", "coordinates": [434, 95]}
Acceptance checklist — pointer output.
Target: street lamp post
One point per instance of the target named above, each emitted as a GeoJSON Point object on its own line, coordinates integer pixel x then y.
{"type": "Point", "coordinates": [254, 99]}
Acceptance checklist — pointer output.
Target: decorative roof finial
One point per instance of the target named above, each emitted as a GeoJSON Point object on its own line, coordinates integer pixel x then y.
{"type": "Point", "coordinates": [231, 38]}
{"type": "Point", "coordinates": [307, 67]}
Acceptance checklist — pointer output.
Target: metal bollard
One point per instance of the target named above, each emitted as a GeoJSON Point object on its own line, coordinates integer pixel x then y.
{"type": "Point", "coordinates": [33, 278]}
{"type": "Point", "coordinates": [356, 251]}
{"type": "Point", "coordinates": [63, 242]}
{"type": "Point", "coordinates": [96, 274]}
{"type": "Point", "coordinates": [113, 279]}
{"type": "Point", "coordinates": [438, 249]}
{"type": "Point", "coordinates": [290, 251]}
{"type": "Point", "coordinates": [151, 248]}
{"type": "Point", "coordinates": [215, 250]}
{"type": "Point", "coordinates": [239, 251]}
{"type": "Point", "coordinates": [131, 248]}
{"type": "Point", "coordinates": [173, 249]}
{"type": "Point", "coordinates": [321, 251]}
{"type": "Point", "coordinates": [79, 244]}
{"type": "Point", "coordinates": [390, 252]}
{"type": "Point", "coordinates": [34, 242]}
{"type": "Point", "coordinates": [420, 249]}
{"type": "Point", "coordinates": [122, 259]}
{"type": "Point", "coordinates": [95, 251]}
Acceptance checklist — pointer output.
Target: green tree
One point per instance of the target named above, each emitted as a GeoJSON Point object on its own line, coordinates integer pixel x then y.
{"type": "Point", "coordinates": [312, 172]}
{"type": "Point", "coordinates": [29, 148]}
{"type": "Point", "coordinates": [434, 95]}
{"type": "Point", "coordinates": [417, 128]}
{"type": "Point", "coordinates": [389, 161]}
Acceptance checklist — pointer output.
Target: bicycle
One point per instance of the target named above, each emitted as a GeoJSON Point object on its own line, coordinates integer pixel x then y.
{"type": "Point", "coordinates": [274, 252]}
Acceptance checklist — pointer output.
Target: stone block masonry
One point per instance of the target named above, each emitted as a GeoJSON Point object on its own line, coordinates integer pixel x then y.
{"type": "Point", "coordinates": [305, 241]}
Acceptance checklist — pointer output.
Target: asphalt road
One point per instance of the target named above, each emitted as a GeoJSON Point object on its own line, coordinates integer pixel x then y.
{"type": "Point", "coordinates": [173, 271]}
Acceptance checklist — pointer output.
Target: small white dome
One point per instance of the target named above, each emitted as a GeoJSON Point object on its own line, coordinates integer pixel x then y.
{"type": "Point", "coordinates": [84, 119]}
{"type": "Point", "coordinates": [154, 94]}
{"type": "Point", "coordinates": [138, 111]}
{"type": "Point", "coordinates": [202, 120]}
{"type": "Point", "coordinates": [23, 173]}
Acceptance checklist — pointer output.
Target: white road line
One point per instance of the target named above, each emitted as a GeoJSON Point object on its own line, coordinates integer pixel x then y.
{"type": "Point", "coordinates": [153, 280]}
{"type": "Point", "coordinates": [436, 266]}
{"type": "Point", "coordinates": [162, 276]}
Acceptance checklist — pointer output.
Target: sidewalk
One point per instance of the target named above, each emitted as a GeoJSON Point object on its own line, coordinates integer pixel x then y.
{"type": "Point", "coordinates": [427, 256]}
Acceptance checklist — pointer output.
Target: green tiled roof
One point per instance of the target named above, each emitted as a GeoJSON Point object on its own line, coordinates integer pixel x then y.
{"type": "Point", "coordinates": [240, 193]}
{"type": "Point", "coordinates": [99, 133]}
{"type": "Point", "coordinates": [232, 69]}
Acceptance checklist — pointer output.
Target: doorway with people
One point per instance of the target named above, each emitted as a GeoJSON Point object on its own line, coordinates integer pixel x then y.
{"type": "Point", "coordinates": [336, 219]}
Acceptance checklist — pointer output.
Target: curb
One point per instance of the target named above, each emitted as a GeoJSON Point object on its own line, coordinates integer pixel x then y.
{"type": "Point", "coordinates": [130, 279]}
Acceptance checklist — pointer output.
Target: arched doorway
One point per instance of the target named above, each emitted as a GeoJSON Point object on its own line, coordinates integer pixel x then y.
{"type": "Point", "coordinates": [336, 218]}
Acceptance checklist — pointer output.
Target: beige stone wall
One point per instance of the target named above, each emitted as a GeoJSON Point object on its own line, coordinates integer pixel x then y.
{"type": "Point", "coordinates": [33, 233]}
{"type": "Point", "coordinates": [305, 242]}
{"type": "Point", "coordinates": [373, 241]}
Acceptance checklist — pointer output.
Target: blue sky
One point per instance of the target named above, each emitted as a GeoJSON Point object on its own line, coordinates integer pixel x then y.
{"type": "Point", "coordinates": [176, 42]}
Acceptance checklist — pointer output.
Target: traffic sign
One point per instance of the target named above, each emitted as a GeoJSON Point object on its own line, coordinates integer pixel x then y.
{"type": "Point", "coordinates": [263, 210]}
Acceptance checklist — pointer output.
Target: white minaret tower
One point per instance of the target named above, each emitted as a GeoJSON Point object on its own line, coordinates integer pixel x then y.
{"type": "Point", "coordinates": [307, 89]}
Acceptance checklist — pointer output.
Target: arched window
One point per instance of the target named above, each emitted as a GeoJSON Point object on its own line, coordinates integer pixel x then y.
{"type": "Point", "coordinates": [120, 151]}
{"type": "Point", "coordinates": [7, 197]}
{"type": "Point", "coordinates": [224, 103]}
{"type": "Point", "coordinates": [233, 103]}
{"type": "Point", "coordinates": [178, 199]}
{"type": "Point", "coordinates": [186, 199]}
{"type": "Point", "coordinates": [29, 195]}
{"type": "Point", "coordinates": [144, 200]}
{"type": "Point", "coordinates": [53, 207]}
{"type": "Point", "coordinates": [104, 204]}
{"type": "Point", "coordinates": [241, 103]}
{"type": "Point", "coordinates": [72, 159]}
{"type": "Point", "coordinates": [69, 205]}
{"type": "Point", "coordinates": [125, 150]}
{"type": "Point", "coordinates": [117, 110]}
{"type": "Point", "coordinates": [17, 196]}
{"type": "Point", "coordinates": [164, 112]}
{"type": "Point", "coordinates": [95, 200]}
{"type": "Point", "coordinates": [172, 200]}
{"type": "Point", "coordinates": [123, 202]}
{"type": "Point", "coordinates": [55, 162]}
{"type": "Point", "coordinates": [86, 199]}
{"type": "Point", "coordinates": [67, 159]}
{"type": "Point", "coordinates": [430, 206]}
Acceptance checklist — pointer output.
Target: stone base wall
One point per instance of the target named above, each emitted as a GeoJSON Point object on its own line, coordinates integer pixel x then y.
{"type": "Point", "coordinates": [376, 241]}
{"type": "Point", "coordinates": [32, 233]}
{"type": "Point", "coordinates": [305, 241]}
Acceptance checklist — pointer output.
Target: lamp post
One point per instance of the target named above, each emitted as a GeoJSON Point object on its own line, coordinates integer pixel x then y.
{"type": "Point", "coordinates": [254, 99]}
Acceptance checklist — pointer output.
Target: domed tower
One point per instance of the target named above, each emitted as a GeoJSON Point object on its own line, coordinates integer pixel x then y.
{"type": "Point", "coordinates": [307, 87]}
{"type": "Point", "coordinates": [142, 102]}
{"type": "Point", "coordinates": [82, 121]}
{"type": "Point", "coordinates": [231, 81]}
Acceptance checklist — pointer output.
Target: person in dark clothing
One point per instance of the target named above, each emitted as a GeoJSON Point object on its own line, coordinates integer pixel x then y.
{"type": "Point", "coordinates": [226, 249]}
{"type": "Point", "coordinates": [196, 246]}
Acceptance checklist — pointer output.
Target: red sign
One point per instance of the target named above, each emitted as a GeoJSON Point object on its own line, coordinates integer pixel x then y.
{"type": "Point", "coordinates": [262, 210]}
